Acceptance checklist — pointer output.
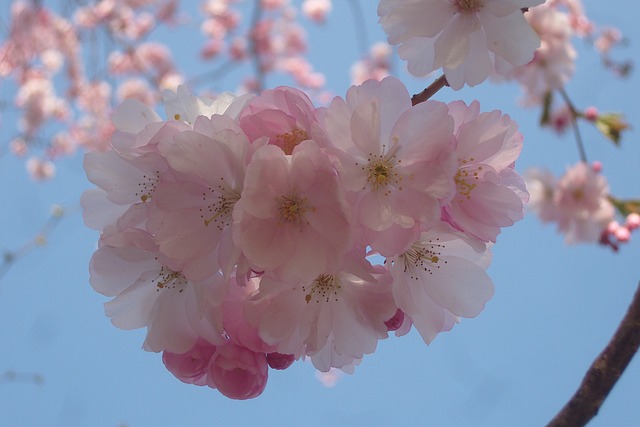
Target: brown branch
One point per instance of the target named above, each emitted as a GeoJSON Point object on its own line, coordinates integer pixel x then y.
{"type": "Point", "coordinates": [604, 372]}
{"type": "Point", "coordinates": [431, 90]}
{"type": "Point", "coordinates": [574, 124]}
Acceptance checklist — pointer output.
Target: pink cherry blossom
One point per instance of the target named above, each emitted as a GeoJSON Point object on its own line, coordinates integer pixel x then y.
{"type": "Point", "coordinates": [191, 367]}
{"type": "Point", "coordinates": [238, 372]}
{"type": "Point", "coordinates": [334, 318]}
{"type": "Point", "coordinates": [191, 217]}
{"type": "Point", "coordinates": [554, 61]}
{"type": "Point", "coordinates": [376, 65]}
{"type": "Point", "coordinates": [467, 38]}
{"type": "Point", "coordinates": [582, 199]}
{"type": "Point", "coordinates": [146, 293]}
{"type": "Point", "coordinates": [293, 218]}
{"type": "Point", "coordinates": [397, 161]}
{"type": "Point", "coordinates": [285, 115]}
{"type": "Point", "coordinates": [578, 202]}
{"type": "Point", "coordinates": [441, 276]}
{"type": "Point", "coordinates": [490, 194]}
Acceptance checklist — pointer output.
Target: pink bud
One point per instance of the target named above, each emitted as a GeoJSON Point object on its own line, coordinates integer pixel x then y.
{"type": "Point", "coordinates": [632, 221]}
{"type": "Point", "coordinates": [623, 234]}
{"type": "Point", "coordinates": [238, 372]}
{"type": "Point", "coordinates": [280, 361]}
{"type": "Point", "coordinates": [591, 114]}
{"type": "Point", "coordinates": [612, 227]}
{"type": "Point", "coordinates": [395, 322]}
{"type": "Point", "coordinates": [596, 166]}
{"type": "Point", "coordinates": [190, 367]}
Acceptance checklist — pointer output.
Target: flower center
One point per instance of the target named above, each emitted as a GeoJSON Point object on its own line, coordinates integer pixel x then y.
{"type": "Point", "coordinates": [219, 212]}
{"type": "Point", "coordinates": [169, 279]}
{"type": "Point", "coordinates": [467, 6]}
{"type": "Point", "coordinates": [288, 141]}
{"type": "Point", "coordinates": [147, 187]}
{"type": "Point", "coordinates": [381, 172]}
{"type": "Point", "coordinates": [422, 256]}
{"type": "Point", "coordinates": [324, 287]}
{"type": "Point", "coordinates": [465, 178]}
{"type": "Point", "coordinates": [293, 209]}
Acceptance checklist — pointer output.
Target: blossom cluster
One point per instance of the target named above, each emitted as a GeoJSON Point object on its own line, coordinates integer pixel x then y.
{"type": "Point", "coordinates": [558, 23]}
{"type": "Point", "coordinates": [580, 203]}
{"type": "Point", "coordinates": [247, 232]}
{"type": "Point", "coordinates": [65, 89]}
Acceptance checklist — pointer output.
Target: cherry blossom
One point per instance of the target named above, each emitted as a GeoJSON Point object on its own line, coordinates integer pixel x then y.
{"type": "Point", "coordinates": [238, 372]}
{"type": "Point", "coordinates": [293, 218]}
{"type": "Point", "coordinates": [284, 114]}
{"type": "Point", "coordinates": [554, 61]}
{"type": "Point", "coordinates": [469, 39]}
{"type": "Point", "coordinates": [439, 278]}
{"type": "Point", "coordinates": [375, 65]}
{"type": "Point", "coordinates": [191, 217]}
{"type": "Point", "coordinates": [396, 161]}
{"type": "Point", "coordinates": [175, 311]}
{"type": "Point", "coordinates": [192, 366]}
{"type": "Point", "coordinates": [334, 318]}
{"type": "Point", "coordinates": [578, 202]}
{"type": "Point", "coordinates": [490, 194]}
{"type": "Point", "coordinates": [241, 231]}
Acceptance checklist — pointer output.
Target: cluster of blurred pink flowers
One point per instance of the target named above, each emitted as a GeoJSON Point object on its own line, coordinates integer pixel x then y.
{"type": "Point", "coordinates": [558, 23]}
{"type": "Point", "coordinates": [580, 204]}
{"type": "Point", "coordinates": [247, 232]}
{"type": "Point", "coordinates": [66, 89]}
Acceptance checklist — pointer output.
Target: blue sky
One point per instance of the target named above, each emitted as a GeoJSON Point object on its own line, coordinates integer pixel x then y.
{"type": "Point", "coordinates": [554, 309]}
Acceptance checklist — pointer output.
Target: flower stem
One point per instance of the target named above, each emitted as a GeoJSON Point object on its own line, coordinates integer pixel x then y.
{"type": "Point", "coordinates": [574, 124]}
{"type": "Point", "coordinates": [431, 90]}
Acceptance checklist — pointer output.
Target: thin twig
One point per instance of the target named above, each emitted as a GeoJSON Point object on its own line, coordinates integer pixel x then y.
{"type": "Point", "coordinates": [40, 239]}
{"type": "Point", "coordinates": [253, 46]}
{"type": "Point", "coordinates": [11, 376]}
{"type": "Point", "coordinates": [360, 27]}
{"type": "Point", "coordinates": [213, 75]}
{"type": "Point", "coordinates": [604, 372]}
{"type": "Point", "coordinates": [431, 90]}
{"type": "Point", "coordinates": [574, 124]}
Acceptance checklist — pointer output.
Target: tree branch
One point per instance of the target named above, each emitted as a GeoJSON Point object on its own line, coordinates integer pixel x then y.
{"type": "Point", "coordinates": [254, 49]}
{"type": "Point", "coordinates": [604, 372]}
{"type": "Point", "coordinates": [431, 90]}
{"type": "Point", "coordinates": [574, 124]}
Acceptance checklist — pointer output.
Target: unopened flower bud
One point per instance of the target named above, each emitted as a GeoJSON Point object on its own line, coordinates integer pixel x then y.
{"type": "Point", "coordinates": [279, 361]}
{"type": "Point", "coordinates": [396, 321]}
{"type": "Point", "coordinates": [632, 221]}
{"type": "Point", "coordinates": [591, 114]}
{"type": "Point", "coordinates": [623, 234]}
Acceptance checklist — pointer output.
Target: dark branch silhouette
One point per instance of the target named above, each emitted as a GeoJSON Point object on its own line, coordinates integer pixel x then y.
{"type": "Point", "coordinates": [604, 372]}
{"type": "Point", "coordinates": [431, 90]}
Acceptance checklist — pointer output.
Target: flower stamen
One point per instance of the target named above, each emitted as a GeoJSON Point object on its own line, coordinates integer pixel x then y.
{"type": "Point", "coordinates": [324, 287]}
{"type": "Point", "coordinates": [289, 140]}
{"type": "Point", "coordinates": [293, 209]}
